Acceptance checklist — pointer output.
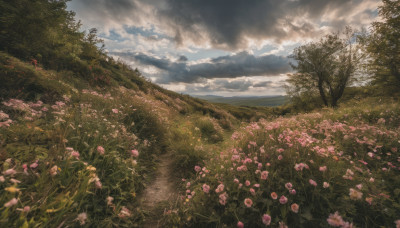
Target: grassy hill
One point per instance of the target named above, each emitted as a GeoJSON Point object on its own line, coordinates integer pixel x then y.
{"type": "Point", "coordinates": [82, 136]}
{"type": "Point", "coordinates": [267, 101]}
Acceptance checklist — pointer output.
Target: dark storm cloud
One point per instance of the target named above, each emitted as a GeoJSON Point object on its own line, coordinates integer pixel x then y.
{"type": "Point", "coordinates": [228, 24]}
{"type": "Point", "coordinates": [230, 66]}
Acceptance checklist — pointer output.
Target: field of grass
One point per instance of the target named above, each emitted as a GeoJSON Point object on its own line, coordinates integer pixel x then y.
{"type": "Point", "coordinates": [337, 168]}
{"type": "Point", "coordinates": [74, 152]}
{"type": "Point", "coordinates": [263, 101]}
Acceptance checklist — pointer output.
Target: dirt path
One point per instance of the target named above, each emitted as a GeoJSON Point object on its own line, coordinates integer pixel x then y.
{"type": "Point", "coordinates": [161, 189]}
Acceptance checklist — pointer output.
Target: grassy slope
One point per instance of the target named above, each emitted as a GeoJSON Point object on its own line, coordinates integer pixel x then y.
{"type": "Point", "coordinates": [53, 124]}
{"type": "Point", "coordinates": [351, 153]}
{"type": "Point", "coordinates": [247, 101]}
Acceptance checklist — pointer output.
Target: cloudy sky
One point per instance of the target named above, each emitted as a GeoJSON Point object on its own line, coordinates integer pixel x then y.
{"type": "Point", "coordinates": [219, 47]}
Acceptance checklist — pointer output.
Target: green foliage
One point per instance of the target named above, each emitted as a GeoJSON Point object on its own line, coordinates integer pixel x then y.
{"type": "Point", "coordinates": [383, 45]}
{"type": "Point", "coordinates": [326, 68]}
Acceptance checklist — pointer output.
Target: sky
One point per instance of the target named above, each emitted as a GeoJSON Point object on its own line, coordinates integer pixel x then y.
{"type": "Point", "coordinates": [217, 47]}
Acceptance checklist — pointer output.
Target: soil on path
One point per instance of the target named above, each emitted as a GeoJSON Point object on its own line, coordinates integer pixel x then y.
{"type": "Point", "coordinates": [161, 189]}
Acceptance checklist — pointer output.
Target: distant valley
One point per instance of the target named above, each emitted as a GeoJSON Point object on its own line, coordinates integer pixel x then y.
{"type": "Point", "coordinates": [246, 101]}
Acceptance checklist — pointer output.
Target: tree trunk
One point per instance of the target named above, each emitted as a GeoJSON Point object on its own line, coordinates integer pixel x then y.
{"type": "Point", "coordinates": [321, 92]}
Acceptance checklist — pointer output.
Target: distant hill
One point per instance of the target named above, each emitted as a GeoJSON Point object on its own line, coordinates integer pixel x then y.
{"type": "Point", "coordinates": [269, 101]}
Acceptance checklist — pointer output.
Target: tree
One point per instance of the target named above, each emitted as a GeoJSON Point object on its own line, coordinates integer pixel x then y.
{"type": "Point", "coordinates": [325, 68]}
{"type": "Point", "coordinates": [383, 46]}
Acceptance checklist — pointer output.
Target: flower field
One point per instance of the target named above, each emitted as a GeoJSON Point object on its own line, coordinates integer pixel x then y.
{"type": "Point", "coordinates": [334, 168]}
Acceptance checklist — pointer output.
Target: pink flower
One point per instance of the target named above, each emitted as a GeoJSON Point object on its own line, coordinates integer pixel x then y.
{"type": "Point", "coordinates": [312, 182]}
{"type": "Point", "coordinates": [11, 203]}
{"type": "Point", "coordinates": [369, 200]}
{"type": "Point", "coordinates": [206, 188]}
{"type": "Point", "coordinates": [9, 172]}
{"type": "Point", "coordinates": [322, 168]}
{"type": "Point", "coordinates": [100, 150]}
{"type": "Point", "coordinates": [283, 200]}
{"type": "Point", "coordinates": [81, 218]}
{"type": "Point", "coordinates": [354, 194]}
{"type": "Point", "coordinates": [125, 212]}
{"type": "Point", "coordinates": [288, 185]}
{"type": "Point", "coordinates": [294, 207]}
{"type": "Point", "coordinates": [26, 209]}
{"type": "Point", "coordinates": [335, 220]}
{"type": "Point", "coordinates": [98, 184]}
{"type": "Point", "coordinates": [274, 195]}
{"type": "Point", "coordinates": [74, 154]}
{"type": "Point", "coordinates": [222, 198]}
{"type": "Point", "coordinates": [236, 181]}
{"type": "Point", "coordinates": [240, 225]}
{"type": "Point", "coordinates": [326, 185]}
{"type": "Point", "coordinates": [266, 219]}
{"type": "Point", "coordinates": [292, 191]}
{"type": "Point", "coordinates": [34, 165]}
{"type": "Point", "coordinates": [114, 110]}
{"type": "Point", "coordinates": [197, 168]}
{"type": "Point", "coordinates": [248, 202]}
{"type": "Point", "coordinates": [397, 222]}
{"type": "Point", "coordinates": [135, 153]}
{"type": "Point", "coordinates": [264, 175]}
{"type": "Point", "coordinates": [220, 188]}
{"type": "Point", "coordinates": [252, 191]}
{"type": "Point", "coordinates": [359, 186]}
{"type": "Point", "coordinates": [247, 183]}
{"type": "Point", "coordinates": [256, 185]}
{"type": "Point", "coordinates": [280, 157]}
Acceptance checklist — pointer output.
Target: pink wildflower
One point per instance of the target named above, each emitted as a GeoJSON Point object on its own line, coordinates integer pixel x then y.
{"type": "Point", "coordinates": [252, 191]}
{"type": "Point", "coordinates": [322, 168]}
{"type": "Point", "coordinates": [11, 203]}
{"type": "Point", "coordinates": [326, 185]}
{"type": "Point", "coordinates": [264, 175]}
{"type": "Point", "coordinates": [247, 183]}
{"type": "Point", "coordinates": [135, 153]}
{"type": "Point", "coordinates": [206, 188]}
{"type": "Point", "coordinates": [114, 110]}
{"type": "Point", "coordinates": [34, 165]}
{"type": "Point", "coordinates": [240, 225]}
{"type": "Point", "coordinates": [248, 202]}
{"type": "Point", "coordinates": [266, 219]}
{"type": "Point", "coordinates": [197, 168]}
{"type": "Point", "coordinates": [283, 200]}
{"type": "Point", "coordinates": [369, 200]}
{"type": "Point", "coordinates": [292, 191]}
{"type": "Point", "coordinates": [274, 195]}
{"type": "Point", "coordinates": [100, 150]}
{"type": "Point", "coordinates": [312, 182]}
{"type": "Point", "coordinates": [280, 157]}
{"type": "Point", "coordinates": [397, 222]}
{"type": "Point", "coordinates": [125, 212]}
{"type": "Point", "coordinates": [354, 194]}
{"type": "Point", "coordinates": [9, 172]}
{"type": "Point", "coordinates": [74, 154]}
{"type": "Point", "coordinates": [220, 188]}
{"type": "Point", "coordinates": [222, 198]}
{"type": "Point", "coordinates": [288, 186]}
{"type": "Point", "coordinates": [335, 220]}
{"type": "Point", "coordinates": [294, 207]}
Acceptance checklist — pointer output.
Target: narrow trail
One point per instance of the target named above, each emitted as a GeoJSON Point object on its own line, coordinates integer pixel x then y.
{"type": "Point", "coordinates": [161, 189]}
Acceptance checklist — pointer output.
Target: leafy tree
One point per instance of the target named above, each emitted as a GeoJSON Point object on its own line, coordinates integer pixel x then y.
{"type": "Point", "coordinates": [325, 68]}
{"type": "Point", "coordinates": [383, 46]}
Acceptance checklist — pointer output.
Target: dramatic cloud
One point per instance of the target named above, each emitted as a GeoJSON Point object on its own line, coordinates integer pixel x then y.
{"type": "Point", "coordinates": [230, 66]}
{"type": "Point", "coordinates": [229, 25]}
{"type": "Point", "coordinates": [217, 46]}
